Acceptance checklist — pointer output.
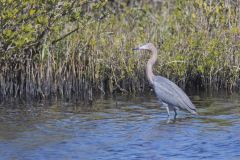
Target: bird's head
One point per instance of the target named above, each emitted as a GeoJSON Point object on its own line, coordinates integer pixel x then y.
{"type": "Point", "coordinates": [148, 46]}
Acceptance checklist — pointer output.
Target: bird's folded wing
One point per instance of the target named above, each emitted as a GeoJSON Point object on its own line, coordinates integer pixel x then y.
{"type": "Point", "coordinates": [170, 93]}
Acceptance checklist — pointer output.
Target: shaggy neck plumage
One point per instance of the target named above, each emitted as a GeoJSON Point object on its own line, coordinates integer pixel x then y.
{"type": "Point", "coordinates": [150, 64]}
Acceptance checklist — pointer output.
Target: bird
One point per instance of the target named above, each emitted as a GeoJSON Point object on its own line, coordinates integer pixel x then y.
{"type": "Point", "coordinates": [168, 93]}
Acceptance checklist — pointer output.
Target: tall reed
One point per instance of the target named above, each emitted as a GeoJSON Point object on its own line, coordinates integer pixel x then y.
{"type": "Point", "coordinates": [198, 43]}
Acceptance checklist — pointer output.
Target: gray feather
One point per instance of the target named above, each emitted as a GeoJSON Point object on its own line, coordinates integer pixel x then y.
{"type": "Point", "coordinates": [169, 93]}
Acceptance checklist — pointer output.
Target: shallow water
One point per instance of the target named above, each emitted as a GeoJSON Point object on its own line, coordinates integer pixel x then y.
{"type": "Point", "coordinates": [126, 128]}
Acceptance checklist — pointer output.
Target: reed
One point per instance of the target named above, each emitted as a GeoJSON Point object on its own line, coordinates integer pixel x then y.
{"type": "Point", "coordinates": [198, 43]}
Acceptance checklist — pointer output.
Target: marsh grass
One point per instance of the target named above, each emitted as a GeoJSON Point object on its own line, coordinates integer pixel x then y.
{"type": "Point", "coordinates": [198, 43]}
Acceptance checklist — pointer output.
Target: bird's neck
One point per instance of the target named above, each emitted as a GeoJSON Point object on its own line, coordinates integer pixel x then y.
{"type": "Point", "coordinates": [150, 64]}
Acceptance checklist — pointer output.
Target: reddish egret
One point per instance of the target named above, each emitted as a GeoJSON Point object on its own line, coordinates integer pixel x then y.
{"type": "Point", "coordinates": [169, 94]}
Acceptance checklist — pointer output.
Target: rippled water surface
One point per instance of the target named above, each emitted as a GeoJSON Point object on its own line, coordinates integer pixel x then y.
{"type": "Point", "coordinates": [126, 128]}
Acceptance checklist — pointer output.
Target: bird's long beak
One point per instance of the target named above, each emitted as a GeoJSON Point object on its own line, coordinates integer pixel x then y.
{"type": "Point", "coordinates": [135, 49]}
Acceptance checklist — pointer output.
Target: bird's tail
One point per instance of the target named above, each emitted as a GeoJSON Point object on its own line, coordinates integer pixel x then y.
{"type": "Point", "coordinates": [194, 112]}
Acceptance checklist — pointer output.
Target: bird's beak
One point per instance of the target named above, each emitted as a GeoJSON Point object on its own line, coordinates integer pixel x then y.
{"type": "Point", "coordinates": [135, 49]}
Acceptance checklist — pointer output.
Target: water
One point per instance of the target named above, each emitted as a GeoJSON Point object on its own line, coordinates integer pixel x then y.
{"type": "Point", "coordinates": [129, 128]}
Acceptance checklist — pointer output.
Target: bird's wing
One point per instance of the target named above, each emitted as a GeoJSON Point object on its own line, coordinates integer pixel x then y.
{"type": "Point", "coordinates": [170, 93]}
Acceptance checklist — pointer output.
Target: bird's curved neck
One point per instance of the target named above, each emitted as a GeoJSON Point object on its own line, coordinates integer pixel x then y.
{"type": "Point", "coordinates": [150, 64]}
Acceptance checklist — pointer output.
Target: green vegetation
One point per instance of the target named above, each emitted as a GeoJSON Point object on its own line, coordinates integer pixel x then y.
{"type": "Point", "coordinates": [81, 48]}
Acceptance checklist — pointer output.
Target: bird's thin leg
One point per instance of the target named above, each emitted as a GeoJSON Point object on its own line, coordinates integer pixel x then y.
{"type": "Point", "coordinates": [175, 115]}
{"type": "Point", "coordinates": [168, 110]}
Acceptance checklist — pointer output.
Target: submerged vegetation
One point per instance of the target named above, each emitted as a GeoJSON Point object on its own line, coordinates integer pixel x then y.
{"type": "Point", "coordinates": [59, 48]}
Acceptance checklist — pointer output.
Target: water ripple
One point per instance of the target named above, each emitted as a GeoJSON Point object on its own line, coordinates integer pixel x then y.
{"type": "Point", "coordinates": [133, 129]}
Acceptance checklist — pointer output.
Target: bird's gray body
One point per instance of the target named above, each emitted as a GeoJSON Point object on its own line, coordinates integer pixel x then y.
{"type": "Point", "coordinates": [170, 94]}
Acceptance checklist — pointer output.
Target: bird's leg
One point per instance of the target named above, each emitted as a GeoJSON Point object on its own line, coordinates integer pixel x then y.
{"type": "Point", "coordinates": [167, 108]}
{"type": "Point", "coordinates": [175, 111]}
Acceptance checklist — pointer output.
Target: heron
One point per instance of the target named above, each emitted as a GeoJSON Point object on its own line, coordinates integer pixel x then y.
{"type": "Point", "coordinates": [169, 95]}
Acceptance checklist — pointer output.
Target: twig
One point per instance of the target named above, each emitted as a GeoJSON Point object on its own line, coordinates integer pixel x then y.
{"type": "Point", "coordinates": [64, 36]}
